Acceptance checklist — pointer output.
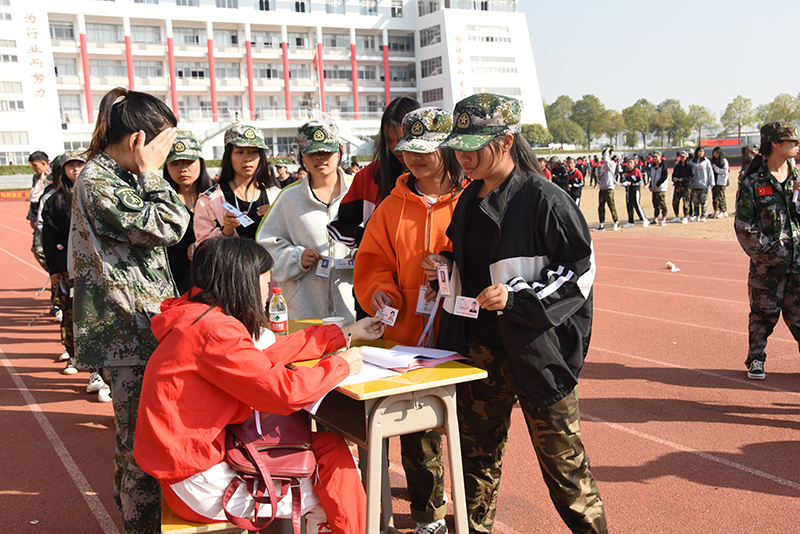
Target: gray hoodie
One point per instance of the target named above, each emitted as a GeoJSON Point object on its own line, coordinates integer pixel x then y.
{"type": "Point", "coordinates": [607, 175]}
{"type": "Point", "coordinates": [703, 174]}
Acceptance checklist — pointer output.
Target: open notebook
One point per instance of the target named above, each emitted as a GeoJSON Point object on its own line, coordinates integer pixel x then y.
{"type": "Point", "coordinates": [403, 359]}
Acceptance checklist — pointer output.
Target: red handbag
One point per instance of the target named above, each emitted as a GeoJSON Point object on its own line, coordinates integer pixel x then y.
{"type": "Point", "coordinates": [266, 448]}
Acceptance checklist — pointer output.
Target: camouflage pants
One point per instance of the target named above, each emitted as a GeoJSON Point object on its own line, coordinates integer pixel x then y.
{"type": "Point", "coordinates": [606, 196]}
{"type": "Point", "coordinates": [718, 198]}
{"type": "Point", "coordinates": [699, 201]}
{"type": "Point", "coordinates": [659, 204]}
{"type": "Point", "coordinates": [682, 193]}
{"type": "Point", "coordinates": [771, 295]}
{"type": "Point", "coordinates": [422, 461]}
{"type": "Point", "coordinates": [484, 415]}
{"type": "Point", "coordinates": [38, 249]}
{"type": "Point", "coordinates": [137, 494]}
{"type": "Point", "coordinates": [64, 302]}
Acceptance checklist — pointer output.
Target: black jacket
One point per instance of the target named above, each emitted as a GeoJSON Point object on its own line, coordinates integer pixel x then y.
{"type": "Point", "coordinates": [543, 250]}
{"type": "Point", "coordinates": [56, 215]}
{"type": "Point", "coordinates": [682, 175]}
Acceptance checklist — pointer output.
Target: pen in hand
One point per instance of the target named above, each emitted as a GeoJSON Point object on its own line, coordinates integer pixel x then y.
{"type": "Point", "coordinates": [349, 339]}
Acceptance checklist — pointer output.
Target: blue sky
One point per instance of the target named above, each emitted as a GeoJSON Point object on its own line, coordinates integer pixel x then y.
{"type": "Point", "coordinates": [699, 52]}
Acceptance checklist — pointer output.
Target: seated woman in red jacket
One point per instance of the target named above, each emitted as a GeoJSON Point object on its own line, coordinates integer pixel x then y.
{"type": "Point", "coordinates": [207, 373]}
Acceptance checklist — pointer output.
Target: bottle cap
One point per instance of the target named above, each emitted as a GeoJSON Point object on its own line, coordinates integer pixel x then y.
{"type": "Point", "coordinates": [277, 291]}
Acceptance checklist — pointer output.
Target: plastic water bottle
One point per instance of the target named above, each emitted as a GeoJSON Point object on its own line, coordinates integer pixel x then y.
{"type": "Point", "coordinates": [278, 314]}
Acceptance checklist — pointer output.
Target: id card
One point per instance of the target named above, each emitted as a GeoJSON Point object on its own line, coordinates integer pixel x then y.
{"type": "Point", "coordinates": [345, 263]}
{"type": "Point", "coordinates": [467, 307]}
{"type": "Point", "coordinates": [388, 315]}
{"type": "Point", "coordinates": [324, 266]}
{"type": "Point", "coordinates": [243, 218]}
{"type": "Point", "coordinates": [423, 306]}
{"type": "Point", "coordinates": [444, 279]}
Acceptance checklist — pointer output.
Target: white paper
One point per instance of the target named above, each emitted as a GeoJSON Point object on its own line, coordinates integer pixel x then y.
{"type": "Point", "coordinates": [367, 374]}
{"type": "Point", "coordinates": [424, 352]}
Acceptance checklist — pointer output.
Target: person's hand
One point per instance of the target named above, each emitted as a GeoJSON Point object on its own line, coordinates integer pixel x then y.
{"type": "Point", "coordinates": [33, 225]}
{"type": "Point", "coordinates": [262, 209]}
{"type": "Point", "coordinates": [430, 294]}
{"type": "Point", "coordinates": [309, 258]}
{"type": "Point", "coordinates": [379, 300]}
{"type": "Point", "coordinates": [151, 156]}
{"type": "Point", "coordinates": [430, 263]}
{"type": "Point", "coordinates": [230, 223]}
{"type": "Point", "coordinates": [55, 279]}
{"type": "Point", "coordinates": [493, 298]}
{"type": "Point", "coordinates": [367, 329]}
{"type": "Point", "coordinates": [353, 358]}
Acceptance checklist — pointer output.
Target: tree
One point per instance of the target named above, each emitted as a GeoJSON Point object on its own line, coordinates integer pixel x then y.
{"type": "Point", "coordinates": [566, 131]}
{"type": "Point", "coordinates": [560, 109]}
{"type": "Point", "coordinates": [637, 117]}
{"type": "Point", "coordinates": [612, 124]}
{"type": "Point", "coordinates": [700, 117]}
{"type": "Point", "coordinates": [674, 120]}
{"type": "Point", "coordinates": [739, 113]}
{"type": "Point", "coordinates": [586, 112]}
{"type": "Point", "coordinates": [785, 107]}
{"type": "Point", "coordinates": [536, 134]}
{"type": "Point", "coordinates": [631, 138]}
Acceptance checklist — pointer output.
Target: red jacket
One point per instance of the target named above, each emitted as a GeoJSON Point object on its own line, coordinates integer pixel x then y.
{"type": "Point", "coordinates": [207, 374]}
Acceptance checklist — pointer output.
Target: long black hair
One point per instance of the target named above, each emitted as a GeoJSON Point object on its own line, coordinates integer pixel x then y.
{"type": "Point", "coordinates": [124, 112]}
{"type": "Point", "coordinates": [697, 154]}
{"type": "Point", "coordinates": [62, 196]}
{"type": "Point", "coordinates": [390, 167]}
{"type": "Point", "coordinates": [203, 182]}
{"type": "Point", "coordinates": [718, 159]}
{"type": "Point", "coordinates": [763, 155]}
{"type": "Point", "coordinates": [522, 154]}
{"type": "Point", "coordinates": [264, 176]}
{"type": "Point", "coordinates": [227, 271]}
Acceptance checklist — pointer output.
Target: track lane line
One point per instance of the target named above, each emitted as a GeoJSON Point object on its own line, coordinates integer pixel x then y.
{"type": "Point", "coordinates": [671, 294]}
{"type": "Point", "coordinates": [600, 266]}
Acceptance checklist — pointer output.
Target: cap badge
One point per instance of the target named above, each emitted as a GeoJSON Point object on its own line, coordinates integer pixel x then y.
{"type": "Point", "coordinates": [463, 120]}
{"type": "Point", "coordinates": [249, 133]}
{"type": "Point", "coordinates": [319, 135]}
{"type": "Point", "coordinates": [179, 146]}
{"type": "Point", "coordinates": [417, 128]}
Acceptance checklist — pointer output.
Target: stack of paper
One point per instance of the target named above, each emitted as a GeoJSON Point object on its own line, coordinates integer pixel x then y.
{"type": "Point", "coordinates": [403, 359]}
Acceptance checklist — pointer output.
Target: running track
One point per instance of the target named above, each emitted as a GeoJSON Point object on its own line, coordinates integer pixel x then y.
{"type": "Point", "coordinates": [680, 440]}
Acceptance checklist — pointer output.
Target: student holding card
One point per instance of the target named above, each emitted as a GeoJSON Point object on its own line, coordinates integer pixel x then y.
{"type": "Point", "coordinates": [409, 225]}
{"type": "Point", "coordinates": [522, 250]}
{"type": "Point", "coordinates": [310, 266]}
{"type": "Point", "coordinates": [247, 188]}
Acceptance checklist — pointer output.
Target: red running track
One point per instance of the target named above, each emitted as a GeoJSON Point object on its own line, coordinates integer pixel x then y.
{"type": "Point", "coordinates": [680, 440]}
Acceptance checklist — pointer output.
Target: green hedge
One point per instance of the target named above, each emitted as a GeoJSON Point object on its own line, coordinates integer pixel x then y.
{"type": "Point", "coordinates": [6, 170]}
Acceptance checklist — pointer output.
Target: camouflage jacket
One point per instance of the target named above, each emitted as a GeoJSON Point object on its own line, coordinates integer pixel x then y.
{"type": "Point", "coordinates": [121, 225]}
{"type": "Point", "coordinates": [768, 222]}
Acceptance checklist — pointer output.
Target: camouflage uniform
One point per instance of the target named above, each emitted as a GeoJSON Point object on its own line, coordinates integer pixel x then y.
{"type": "Point", "coordinates": [64, 301]}
{"type": "Point", "coordinates": [767, 226]}
{"type": "Point", "coordinates": [120, 226]}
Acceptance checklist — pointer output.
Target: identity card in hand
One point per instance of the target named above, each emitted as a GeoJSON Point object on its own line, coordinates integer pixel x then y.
{"type": "Point", "coordinates": [388, 315]}
{"type": "Point", "coordinates": [467, 307]}
{"type": "Point", "coordinates": [444, 279]}
{"type": "Point", "coordinates": [243, 218]}
{"type": "Point", "coordinates": [324, 266]}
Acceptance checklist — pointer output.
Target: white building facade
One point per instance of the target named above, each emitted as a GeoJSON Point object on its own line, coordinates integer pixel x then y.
{"type": "Point", "coordinates": [217, 61]}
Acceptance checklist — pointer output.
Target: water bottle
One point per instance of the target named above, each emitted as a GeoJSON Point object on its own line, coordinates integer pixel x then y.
{"type": "Point", "coordinates": [278, 314]}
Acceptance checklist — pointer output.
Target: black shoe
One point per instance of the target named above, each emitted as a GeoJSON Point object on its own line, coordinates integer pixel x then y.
{"type": "Point", "coordinates": [756, 371]}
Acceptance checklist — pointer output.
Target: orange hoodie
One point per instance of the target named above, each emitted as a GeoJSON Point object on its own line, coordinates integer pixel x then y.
{"type": "Point", "coordinates": [403, 230]}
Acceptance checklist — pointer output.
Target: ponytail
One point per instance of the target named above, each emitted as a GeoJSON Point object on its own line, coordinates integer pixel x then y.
{"type": "Point", "coordinates": [758, 160]}
{"type": "Point", "coordinates": [124, 112]}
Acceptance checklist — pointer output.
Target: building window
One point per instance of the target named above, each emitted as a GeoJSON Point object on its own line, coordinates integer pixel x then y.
{"type": "Point", "coordinates": [226, 38]}
{"type": "Point", "coordinates": [433, 95]}
{"type": "Point", "coordinates": [430, 36]}
{"type": "Point", "coordinates": [145, 1]}
{"type": "Point", "coordinates": [367, 72]}
{"type": "Point", "coordinates": [105, 33]}
{"type": "Point", "coordinates": [334, 7]}
{"type": "Point", "coordinates": [299, 71]}
{"type": "Point", "coordinates": [431, 67]}
{"type": "Point", "coordinates": [266, 39]}
{"type": "Point", "coordinates": [188, 36]}
{"type": "Point", "coordinates": [12, 105]}
{"type": "Point", "coordinates": [228, 4]}
{"type": "Point", "coordinates": [265, 5]}
{"type": "Point", "coordinates": [286, 144]}
{"type": "Point", "coordinates": [194, 107]}
{"type": "Point", "coordinates": [61, 31]}
{"type": "Point", "coordinates": [304, 6]}
{"type": "Point", "coordinates": [369, 7]}
{"type": "Point", "coordinates": [489, 39]}
{"type": "Point", "coordinates": [365, 42]}
{"type": "Point", "coordinates": [108, 68]}
{"type": "Point", "coordinates": [10, 87]}
{"type": "Point", "coordinates": [148, 69]}
{"type": "Point", "coordinates": [402, 73]}
{"type": "Point", "coordinates": [397, 9]}
{"type": "Point", "coordinates": [298, 40]}
{"type": "Point", "coordinates": [13, 138]}
{"type": "Point", "coordinates": [427, 6]}
{"type": "Point", "coordinates": [8, 43]}
{"type": "Point", "coordinates": [400, 43]}
{"type": "Point", "coordinates": [338, 72]}
{"type": "Point", "coordinates": [146, 34]}
{"type": "Point", "coordinates": [336, 40]}
{"type": "Point", "coordinates": [505, 91]}
{"type": "Point", "coordinates": [226, 69]}
{"type": "Point", "coordinates": [8, 58]}
{"type": "Point", "coordinates": [494, 70]}
{"type": "Point", "coordinates": [192, 70]}
{"type": "Point", "coordinates": [270, 107]}
{"type": "Point", "coordinates": [491, 59]}
{"type": "Point", "coordinates": [267, 71]}
{"type": "Point", "coordinates": [340, 103]}
{"type": "Point", "coordinates": [65, 66]}
{"type": "Point", "coordinates": [477, 28]}
{"type": "Point", "coordinates": [191, 3]}
{"type": "Point", "coordinates": [6, 16]}
{"type": "Point", "coordinates": [229, 104]}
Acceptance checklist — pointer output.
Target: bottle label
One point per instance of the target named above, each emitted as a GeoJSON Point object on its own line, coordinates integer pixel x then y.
{"type": "Point", "coordinates": [279, 323]}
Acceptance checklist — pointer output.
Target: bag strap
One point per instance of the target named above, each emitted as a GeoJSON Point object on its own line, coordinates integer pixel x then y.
{"type": "Point", "coordinates": [242, 522]}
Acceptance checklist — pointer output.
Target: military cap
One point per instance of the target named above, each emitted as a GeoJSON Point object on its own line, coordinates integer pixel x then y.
{"type": "Point", "coordinates": [318, 136]}
{"type": "Point", "coordinates": [779, 131]}
{"type": "Point", "coordinates": [553, 159]}
{"type": "Point", "coordinates": [682, 153]}
{"type": "Point", "coordinates": [245, 135]}
{"type": "Point", "coordinates": [657, 153]}
{"type": "Point", "coordinates": [185, 147]}
{"type": "Point", "coordinates": [424, 129]}
{"type": "Point", "coordinates": [480, 118]}
{"type": "Point", "coordinates": [56, 162]}
{"type": "Point", "coordinates": [71, 155]}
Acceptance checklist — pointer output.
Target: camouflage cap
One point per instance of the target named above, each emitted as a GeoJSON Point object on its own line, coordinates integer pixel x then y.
{"type": "Point", "coordinates": [779, 131]}
{"type": "Point", "coordinates": [657, 153]}
{"type": "Point", "coordinates": [318, 136]}
{"type": "Point", "coordinates": [424, 129]}
{"type": "Point", "coordinates": [682, 153]}
{"type": "Point", "coordinates": [71, 155]}
{"type": "Point", "coordinates": [480, 118]}
{"type": "Point", "coordinates": [245, 135]}
{"type": "Point", "coordinates": [185, 147]}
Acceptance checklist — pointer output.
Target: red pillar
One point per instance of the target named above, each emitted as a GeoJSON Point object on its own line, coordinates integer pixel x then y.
{"type": "Point", "coordinates": [87, 84]}
{"type": "Point", "coordinates": [354, 68]}
{"type": "Point", "coordinates": [173, 81]}
{"type": "Point", "coordinates": [287, 93]}
{"type": "Point", "coordinates": [129, 61]}
{"type": "Point", "coordinates": [212, 75]}
{"type": "Point", "coordinates": [250, 93]}
{"type": "Point", "coordinates": [321, 72]}
{"type": "Point", "coordinates": [386, 81]}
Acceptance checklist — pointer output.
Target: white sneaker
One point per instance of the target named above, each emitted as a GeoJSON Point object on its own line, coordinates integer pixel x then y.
{"type": "Point", "coordinates": [723, 214]}
{"type": "Point", "coordinates": [70, 369]}
{"type": "Point", "coordinates": [663, 222]}
{"type": "Point", "coordinates": [702, 219]}
{"type": "Point", "coordinates": [437, 527]}
{"type": "Point", "coordinates": [616, 226]}
{"type": "Point", "coordinates": [59, 315]}
{"type": "Point", "coordinates": [104, 394]}
{"type": "Point", "coordinates": [64, 357]}
{"type": "Point", "coordinates": [684, 221]}
{"type": "Point", "coordinates": [645, 223]}
{"type": "Point", "coordinates": [95, 383]}
{"type": "Point", "coordinates": [628, 225]}
{"type": "Point", "coordinates": [675, 220]}
{"type": "Point", "coordinates": [693, 218]}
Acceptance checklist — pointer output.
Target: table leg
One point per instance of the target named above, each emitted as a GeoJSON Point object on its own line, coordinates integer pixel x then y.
{"type": "Point", "coordinates": [448, 397]}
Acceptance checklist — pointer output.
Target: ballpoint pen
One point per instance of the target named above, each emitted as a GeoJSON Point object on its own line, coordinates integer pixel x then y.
{"type": "Point", "coordinates": [349, 339]}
